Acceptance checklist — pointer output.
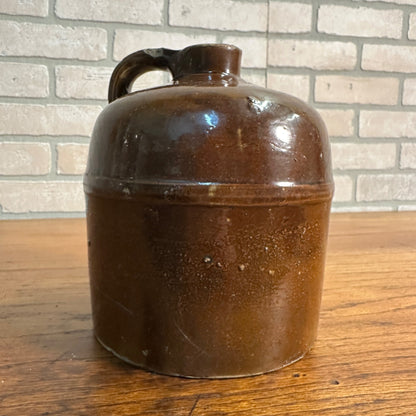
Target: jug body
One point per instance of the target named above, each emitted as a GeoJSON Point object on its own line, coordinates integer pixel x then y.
{"type": "Point", "coordinates": [207, 213]}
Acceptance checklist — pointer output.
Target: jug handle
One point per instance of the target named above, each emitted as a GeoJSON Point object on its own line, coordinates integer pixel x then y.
{"type": "Point", "coordinates": [134, 65]}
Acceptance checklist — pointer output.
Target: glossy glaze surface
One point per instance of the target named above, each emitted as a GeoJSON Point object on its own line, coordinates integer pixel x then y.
{"type": "Point", "coordinates": [208, 206]}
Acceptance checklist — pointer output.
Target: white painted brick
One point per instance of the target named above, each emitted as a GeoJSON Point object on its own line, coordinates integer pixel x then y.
{"type": "Point", "coordinates": [254, 78]}
{"type": "Point", "coordinates": [127, 41]}
{"type": "Point", "coordinates": [363, 155]}
{"type": "Point", "coordinates": [23, 80]}
{"type": "Point", "coordinates": [72, 158]}
{"type": "Point", "coordinates": [387, 123]}
{"type": "Point", "coordinates": [52, 41]}
{"type": "Point", "coordinates": [361, 208]}
{"type": "Point", "coordinates": [361, 21]}
{"type": "Point", "coordinates": [285, 17]}
{"type": "Point", "coordinates": [408, 156]}
{"type": "Point", "coordinates": [343, 188]}
{"type": "Point", "coordinates": [312, 54]}
{"type": "Point", "coordinates": [406, 208]}
{"type": "Point", "coordinates": [151, 80]}
{"type": "Point", "coordinates": [390, 58]}
{"type": "Point", "coordinates": [254, 50]}
{"type": "Point", "coordinates": [129, 11]}
{"type": "Point", "coordinates": [25, 7]}
{"type": "Point", "coordinates": [24, 158]}
{"type": "Point", "coordinates": [296, 85]}
{"type": "Point", "coordinates": [386, 187]}
{"type": "Point", "coordinates": [338, 122]}
{"type": "Point", "coordinates": [412, 26]}
{"type": "Point", "coordinates": [226, 15]}
{"type": "Point", "coordinates": [82, 81]}
{"type": "Point", "coordinates": [346, 89]}
{"type": "Point", "coordinates": [409, 91]}
{"type": "Point", "coordinates": [33, 119]}
{"type": "Point", "coordinates": [41, 196]}
{"type": "Point", "coordinates": [411, 2]}
{"type": "Point", "coordinates": [92, 82]}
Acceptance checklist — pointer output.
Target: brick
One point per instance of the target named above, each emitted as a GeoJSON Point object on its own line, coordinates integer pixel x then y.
{"type": "Point", "coordinates": [208, 14]}
{"type": "Point", "coordinates": [33, 119]}
{"type": "Point", "coordinates": [386, 187]}
{"type": "Point", "coordinates": [85, 82]}
{"type": "Point", "coordinates": [52, 41]}
{"type": "Point", "coordinates": [254, 78]}
{"type": "Point", "coordinates": [131, 11]}
{"type": "Point", "coordinates": [82, 81]}
{"type": "Point", "coordinates": [409, 91]}
{"type": "Point", "coordinates": [363, 155]}
{"type": "Point", "coordinates": [408, 156]}
{"type": "Point", "coordinates": [72, 158]}
{"type": "Point", "coordinates": [23, 80]}
{"type": "Point", "coordinates": [254, 50]}
{"type": "Point", "coordinates": [360, 21]}
{"type": "Point", "coordinates": [406, 208]}
{"type": "Point", "coordinates": [41, 196]}
{"type": "Point", "coordinates": [411, 2]}
{"type": "Point", "coordinates": [26, 8]}
{"type": "Point", "coordinates": [361, 90]}
{"type": "Point", "coordinates": [127, 41]}
{"type": "Point", "coordinates": [362, 208]}
{"type": "Point", "coordinates": [343, 188]}
{"type": "Point", "coordinates": [411, 34]}
{"type": "Point", "coordinates": [312, 54]}
{"type": "Point", "coordinates": [296, 85]}
{"type": "Point", "coordinates": [24, 158]}
{"type": "Point", "coordinates": [389, 58]}
{"type": "Point", "coordinates": [387, 124]}
{"type": "Point", "coordinates": [338, 122]}
{"type": "Point", "coordinates": [151, 80]}
{"type": "Point", "coordinates": [285, 17]}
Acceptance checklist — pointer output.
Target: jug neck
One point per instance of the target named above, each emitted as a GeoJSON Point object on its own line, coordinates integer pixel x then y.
{"type": "Point", "coordinates": [208, 58]}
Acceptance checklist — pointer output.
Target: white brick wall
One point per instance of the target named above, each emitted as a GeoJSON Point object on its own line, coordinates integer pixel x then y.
{"type": "Point", "coordinates": [354, 61]}
{"type": "Point", "coordinates": [290, 17]}
{"type": "Point", "coordinates": [222, 15]}
{"type": "Point", "coordinates": [23, 80]}
{"type": "Point", "coordinates": [386, 187]}
{"type": "Point", "coordinates": [390, 58]}
{"type": "Point", "coordinates": [25, 158]}
{"type": "Point", "coordinates": [408, 156]}
{"type": "Point", "coordinates": [147, 12]}
{"type": "Point", "coordinates": [50, 119]}
{"type": "Point", "coordinates": [319, 55]}
{"type": "Point", "coordinates": [72, 158]}
{"type": "Point", "coordinates": [340, 123]}
{"type": "Point", "coordinates": [347, 156]}
{"type": "Point", "coordinates": [52, 41]}
{"type": "Point", "coordinates": [28, 8]}
{"type": "Point", "coordinates": [356, 90]}
{"type": "Point", "coordinates": [361, 21]}
{"type": "Point", "coordinates": [387, 124]}
{"type": "Point", "coordinates": [41, 196]}
{"type": "Point", "coordinates": [297, 85]}
{"type": "Point", "coordinates": [127, 41]}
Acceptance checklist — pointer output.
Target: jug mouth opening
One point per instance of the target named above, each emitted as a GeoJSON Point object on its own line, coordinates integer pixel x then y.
{"type": "Point", "coordinates": [212, 58]}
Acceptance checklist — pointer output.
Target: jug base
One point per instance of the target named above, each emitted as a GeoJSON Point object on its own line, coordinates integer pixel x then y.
{"type": "Point", "coordinates": [211, 377]}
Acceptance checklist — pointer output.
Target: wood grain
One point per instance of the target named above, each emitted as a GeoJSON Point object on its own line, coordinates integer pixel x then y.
{"type": "Point", "coordinates": [363, 363]}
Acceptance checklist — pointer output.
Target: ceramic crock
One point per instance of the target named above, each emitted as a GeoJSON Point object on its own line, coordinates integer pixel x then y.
{"type": "Point", "coordinates": [207, 211]}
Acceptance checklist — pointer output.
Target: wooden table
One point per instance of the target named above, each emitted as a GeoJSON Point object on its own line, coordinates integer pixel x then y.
{"type": "Point", "coordinates": [364, 362]}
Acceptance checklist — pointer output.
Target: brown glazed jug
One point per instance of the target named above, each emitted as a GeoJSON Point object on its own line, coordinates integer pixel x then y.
{"type": "Point", "coordinates": [207, 209]}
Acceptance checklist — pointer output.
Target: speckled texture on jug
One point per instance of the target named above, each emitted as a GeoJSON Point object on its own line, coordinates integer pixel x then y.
{"type": "Point", "coordinates": [207, 209]}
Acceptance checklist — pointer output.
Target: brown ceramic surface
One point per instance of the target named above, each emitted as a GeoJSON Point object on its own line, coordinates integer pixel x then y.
{"type": "Point", "coordinates": [207, 208]}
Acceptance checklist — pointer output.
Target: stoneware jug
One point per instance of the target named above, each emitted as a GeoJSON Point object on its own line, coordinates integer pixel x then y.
{"type": "Point", "coordinates": [207, 209]}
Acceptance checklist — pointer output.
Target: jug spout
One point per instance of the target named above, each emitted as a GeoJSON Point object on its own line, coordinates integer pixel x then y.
{"type": "Point", "coordinates": [204, 58]}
